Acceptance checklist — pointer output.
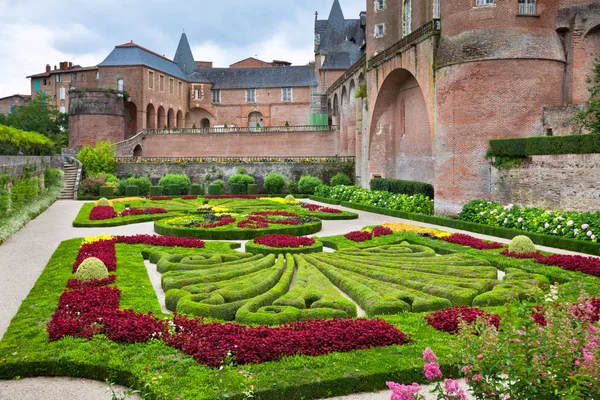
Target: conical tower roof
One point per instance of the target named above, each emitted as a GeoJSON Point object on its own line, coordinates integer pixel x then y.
{"type": "Point", "coordinates": [184, 57]}
{"type": "Point", "coordinates": [336, 27]}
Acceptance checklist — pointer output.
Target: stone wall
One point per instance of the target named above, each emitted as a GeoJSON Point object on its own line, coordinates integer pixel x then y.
{"type": "Point", "coordinates": [208, 172]}
{"type": "Point", "coordinates": [15, 165]}
{"type": "Point", "coordinates": [560, 121]}
{"type": "Point", "coordinates": [566, 182]}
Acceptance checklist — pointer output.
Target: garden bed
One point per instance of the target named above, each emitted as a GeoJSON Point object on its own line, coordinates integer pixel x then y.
{"type": "Point", "coordinates": [283, 244]}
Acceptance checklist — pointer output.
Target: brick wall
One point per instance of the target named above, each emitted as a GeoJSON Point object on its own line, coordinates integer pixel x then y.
{"type": "Point", "coordinates": [566, 182]}
{"type": "Point", "coordinates": [560, 121]}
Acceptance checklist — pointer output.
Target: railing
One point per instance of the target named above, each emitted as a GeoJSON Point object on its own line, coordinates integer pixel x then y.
{"type": "Point", "coordinates": [131, 140]}
{"type": "Point", "coordinates": [431, 28]}
{"type": "Point", "coordinates": [79, 174]}
{"type": "Point", "coordinates": [527, 7]}
{"type": "Point", "coordinates": [264, 129]}
{"type": "Point", "coordinates": [349, 73]}
{"type": "Point", "coordinates": [236, 159]}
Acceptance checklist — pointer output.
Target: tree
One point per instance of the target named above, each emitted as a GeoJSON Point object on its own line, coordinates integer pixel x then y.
{"type": "Point", "coordinates": [38, 115]}
{"type": "Point", "coordinates": [98, 160]}
{"type": "Point", "coordinates": [590, 117]}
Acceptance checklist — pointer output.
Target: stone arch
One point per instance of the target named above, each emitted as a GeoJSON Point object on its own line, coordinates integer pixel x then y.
{"type": "Point", "coordinates": [196, 115]}
{"type": "Point", "coordinates": [162, 118]}
{"type": "Point", "coordinates": [180, 120]}
{"type": "Point", "coordinates": [344, 95]}
{"type": "Point", "coordinates": [138, 151]}
{"type": "Point", "coordinates": [171, 122]}
{"type": "Point", "coordinates": [400, 140]}
{"type": "Point", "coordinates": [351, 90]}
{"type": "Point", "coordinates": [336, 105]}
{"type": "Point", "coordinates": [255, 117]}
{"type": "Point", "coordinates": [205, 123]}
{"type": "Point", "coordinates": [150, 117]}
{"type": "Point", "coordinates": [130, 119]}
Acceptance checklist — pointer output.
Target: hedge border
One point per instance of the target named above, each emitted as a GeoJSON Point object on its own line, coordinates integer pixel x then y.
{"type": "Point", "coordinates": [325, 200]}
{"type": "Point", "coordinates": [296, 196]}
{"type": "Point", "coordinates": [254, 248]}
{"type": "Point", "coordinates": [545, 145]}
{"type": "Point", "coordinates": [237, 234]}
{"type": "Point", "coordinates": [506, 233]}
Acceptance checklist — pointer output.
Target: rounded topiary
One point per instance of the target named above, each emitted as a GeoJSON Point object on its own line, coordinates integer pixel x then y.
{"type": "Point", "coordinates": [274, 183]}
{"type": "Point", "coordinates": [91, 268]}
{"type": "Point", "coordinates": [180, 180]}
{"type": "Point", "coordinates": [521, 244]}
{"type": "Point", "coordinates": [289, 197]}
{"type": "Point", "coordinates": [103, 202]}
{"type": "Point", "coordinates": [308, 184]}
{"type": "Point", "coordinates": [341, 179]}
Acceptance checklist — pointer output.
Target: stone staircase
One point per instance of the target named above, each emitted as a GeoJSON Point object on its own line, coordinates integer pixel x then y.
{"type": "Point", "coordinates": [71, 171]}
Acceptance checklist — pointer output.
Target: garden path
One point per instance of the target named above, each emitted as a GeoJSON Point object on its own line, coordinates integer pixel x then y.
{"type": "Point", "coordinates": [24, 256]}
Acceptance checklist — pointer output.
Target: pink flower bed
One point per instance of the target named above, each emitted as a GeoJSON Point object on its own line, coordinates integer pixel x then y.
{"type": "Point", "coordinates": [586, 265]}
{"type": "Point", "coordinates": [467, 240]}
{"type": "Point", "coordinates": [189, 197]}
{"type": "Point", "coordinates": [231, 196]}
{"type": "Point", "coordinates": [448, 320]}
{"type": "Point", "coordinates": [363, 236]}
{"type": "Point", "coordinates": [317, 208]}
{"type": "Point", "coordinates": [284, 241]}
{"type": "Point", "coordinates": [165, 241]}
{"type": "Point", "coordinates": [381, 231]}
{"type": "Point", "coordinates": [223, 221]}
{"type": "Point", "coordinates": [100, 213]}
{"type": "Point", "coordinates": [158, 198]}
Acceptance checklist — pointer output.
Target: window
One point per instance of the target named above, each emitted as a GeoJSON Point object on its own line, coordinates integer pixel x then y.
{"type": "Point", "coordinates": [180, 89]}
{"type": "Point", "coordinates": [527, 7]}
{"type": "Point", "coordinates": [171, 86]}
{"type": "Point", "coordinates": [379, 30]}
{"type": "Point", "coordinates": [408, 17]}
{"type": "Point", "coordinates": [216, 96]}
{"type": "Point", "coordinates": [161, 83]}
{"type": "Point", "coordinates": [120, 85]}
{"type": "Point", "coordinates": [36, 84]}
{"type": "Point", "coordinates": [379, 5]}
{"type": "Point", "coordinates": [250, 95]}
{"type": "Point", "coordinates": [63, 110]}
{"type": "Point", "coordinates": [12, 108]}
{"type": "Point", "coordinates": [479, 3]}
{"type": "Point", "coordinates": [197, 94]}
{"type": "Point", "coordinates": [287, 95]}
{"type": "Point", "coordinates": [58, 78]}
{"type": "Point", "coordinates": [74, 78]}
{"type": "Point", "coordinates": [63, 93]}
{"type": "Point", "coordinates": [21, 100]}
{"type": "Point", "coordinates": [83, 77]}
{"type": "Point", "coordinates": [45, 82]}
{"type": "Point", "coordinates": [150, 80]}
{"type": "Point", "coordinates": [97, 75]}
{"type": "Point", "coordinates": [437, 12]}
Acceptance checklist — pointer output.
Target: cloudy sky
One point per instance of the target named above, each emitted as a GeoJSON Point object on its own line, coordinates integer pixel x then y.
{"type": "Point", "coordinates": [34, 33]}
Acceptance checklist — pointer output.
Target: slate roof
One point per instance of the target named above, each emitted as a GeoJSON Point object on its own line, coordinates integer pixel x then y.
{"type": "Point", "coordinates": [184, 57]}
{"type": "Point", "coordinates": [341, 39]}
{"type": "Point", "coordinates": [133, 54]}
{"type": "Point", "coordinates": [259, 78]}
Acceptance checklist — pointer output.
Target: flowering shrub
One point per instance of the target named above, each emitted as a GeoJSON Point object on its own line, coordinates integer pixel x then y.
{"type": "Point", "coordinates": [468, 240]}
{"type": "Point", "coordinates": [381, 231]}
{"type": "Point", "coordinates": [448, 320]}
{"type": "Point", "coordinates": [284, 241]}
{"type": "Point", "coordinates": [146, 211]}
{"type": "Point", "coordinates": [355, 194]}
{"type": "Point", "coordinates": [100, 213]}
{"type": "Point", "coordinates": [359, 236]}
{"type": "Point", "coordinates": [569, 224]}
{"type": "Point", "coordinates": [586, 265]}
{"type": "Point", "coordinates": [399, 227]}
{"type": "Point", "coordinates": [159, 198]}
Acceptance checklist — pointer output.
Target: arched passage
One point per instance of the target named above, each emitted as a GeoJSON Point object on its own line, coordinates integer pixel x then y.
{"type": "Point", "coordinates": [205, 123]}
{"type": "Point", "coordinates": [171, 119]}
{"type": "Point", "coordinates": [150, 117]}
{"type": "Point", "coordinates": [255, 120]}
{"type": "Point", "coordinates": [336, 111]}
{"type": "Point", "coordinates": [162, 118]}
{"type": "Point", "coordinates": [130, 119]}
{"type": "Point", "coordinates": [401, 145]}
{"type": "Point", "coordinates": [195, 117]}
{"type": "Point", "coordinates": [180, 120]}
{"type": "Point", "coordinates": [138, 151]}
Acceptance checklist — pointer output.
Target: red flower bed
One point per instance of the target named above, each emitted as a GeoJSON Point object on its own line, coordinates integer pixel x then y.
{"type": "Point", "coordinates": [382, 231]}
{"type": "Point", "coordinates": [359, 236]}
{"type": "Point", "coordinates": [275, 214]}
{"type": "Point", "coordinates": [284, 241]}
{"type": "Point", "coordinates": [311, 207]}
{"type": "Point", "coordinates": [189, 197]}
{"type": "Point", "coordinates": [100, 213]}
{"type": "Point", "coordinates": [223, 221]}
{"type": "Point", "coordinates": [157, 198]}
{"type": "Point", "coordinates": [231, 196]}
{"type": "Point", "coordinates": [586, 265]}
{"type": "Point", "coordinates": [135, 211]}
{"type": "Point", "coordinates": [103, 250]}
{"type": "Point", "coordinates": [165, 241]}
{"type": "Point", "coordinates": [467, 240]}
{"type": "Point", "coordinates": [448, 320]}
{"type": "Point", "coordinates": [209, 343]}
{"type": "Point", "coordinates": [520, 255]}
{"type": "Point", "coordinates": [77, 284]}
{"type": "Point", "coordinates": [314, 207]}
{"type": "Point", "coordinates": [253, 223]}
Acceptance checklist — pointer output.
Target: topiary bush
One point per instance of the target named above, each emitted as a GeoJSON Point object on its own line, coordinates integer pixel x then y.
{"type": "Point", "coordinates": [252, 188]}
{"type": "Point", "coordinates": [521, 244]}
{"type": "Point", "coordinates": [156, 191]}
{"type": "Point", "coordinates": [107, 191]}
{"type": "Point", "coordinates": [240, 179]}
{"type": "Point", "coordinates": [236, 188]}
{"type": "Point", "coordinates": [91, 268]}
{"type": "Point", "coordinates": [341, 179]}
{"type": "Point", "coordinates": [173, 190]}
{"type": "Point", "coordinates": [180, 180]}
{"type": "Point", "coordinates": [292, 186]}
{"type": "Point", "coordinates": [308, 184]}
{"type": "Point", "coordinates": [103, 202]}
{"type": "Point", "coordinates": [289, 197]}
{"type": "Point", "coordinates": [197, 190]}
{"type": "Point", "coordinates": [274, 183]}
{"type": "Point", "coordinates": [132, 191]}
{"type": "Point", "coordinates": [216, 188]}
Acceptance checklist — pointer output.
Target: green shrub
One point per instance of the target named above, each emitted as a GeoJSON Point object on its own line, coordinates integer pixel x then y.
{"type": "Point", "coordinates": [402, 187]}
{"type": "Point", "coordinates": [132, 191]}
{"type": "Point", "coordinates": [14, 141]}
{"type": "Point", "coordinates": [91, 186]}
{"type": "Point", "coordinates": [53, 177]}
{"type": "Point", "coordinates": [521, 244]}
{"type": "Point", "coordinates": [274, 183]}
{"type": "Point", "coordinates": [99, 159]}
{"type": "Point", "coordinates": [91, 268]}
{"type": "Point", "coordinates": [216, 188]}
{"type": "Point", "coordinates": [242, 180]}
{"type": "Point", "coordinates": [142, 183]}
{"type": "Point", "coordinates": [173, 190]}
{"type": "Point", "coordinates": [252, 188]}
{"type": "Point", "coordinates": [156, 191]}
{"type": "Point", "coordinates": [180, 180]}
{"type": "Point", "coordinates": [106, 191]}
{"type": "Point", "coordinates": [341, 179]}
{"type": "Point", "coordinates": [103, 202]}
{"type": "Point", "coordinates": [107, 177]}
{"type": "Point", "coordinates": [289, 197]}
{"type": "Point", "coordinates": [197, 190]}
{"type": "Point", "coordinates": [543, 145]}
{"type": "Point", "coordinates": [308, 184]}
{"type": "Point", "coordinates": [292, 186]}
{"type": "Point", "coordinates": [236, 188]}
{"type": "Point", "coordinates": [23, 191]}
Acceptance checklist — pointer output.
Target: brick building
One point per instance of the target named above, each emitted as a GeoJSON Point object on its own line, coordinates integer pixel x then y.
{"type": "Point", "coordinates": [8, 103]}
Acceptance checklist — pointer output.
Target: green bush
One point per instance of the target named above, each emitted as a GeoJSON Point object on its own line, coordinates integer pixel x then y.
{"type": "Point", "coordinates": [240, 179]}
{"type": "Point", "coordinates": [91, 268]}
{"type": "Point", "coordinates": [236, 188]}
{"type": "Point", "coordinates": [292, 186]}
{"type": "Point", "coordinates": [132, 191]}
{"type": "Point", "coordinates": [103, 202]}
{"type": "Point", "coordinates": [289, 197]}
{"type": "Point", "coordinates": [542, 145]}
{"type": "Point", "coordinates": [106, 191]}
{"type": "Point", "coordinates": [23, 191]}
{"type": "Point", "coordinates": [14, 141]}
{"type": "Point", "coordinates": [274, 183]}
{"type": "Point", "coordinates": [173, 190]}
{"type": "Point", "coordinates": [252, 188]}
{"type": "Point", "coordinates": [216, 188]}
{"type": "Point", "coordinates": [197, 190]}
{"type": "Point", "coordinates": [521, 244]}
{"type": "Point", "coordinates": [53, 177]}
{"type": "Point", "coordinates": [402, 187]}
{"type": "Point", "coordinates": [175, 179]}
{"type": "Point", "coordinates": [308, 184]}
{"type": "Point", "coordinates": [341, 179]}
{"type": "Point", "coordinates": [156, 191]}
{"type": "Point", "coordinates": [99, 159]}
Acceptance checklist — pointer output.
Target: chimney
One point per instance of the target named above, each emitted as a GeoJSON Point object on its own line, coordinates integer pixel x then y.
{"type": "Point", "coordinates": [70, 65]}
{"type": "Point", "coordinates": [61, 65]}
{"type": "Point", "coordinates": [55, 67]}
{"type": "Point", "coordinates": [47, 67]}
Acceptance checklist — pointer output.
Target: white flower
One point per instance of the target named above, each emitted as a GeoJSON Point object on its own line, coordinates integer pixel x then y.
{"type": "Point", "coordinates": [554, 231]}
{"type": "Point", "coordinates": [506, 220]}
{"type": "Point", "coordinates": [559, 227]}
{"type": "Point", "coordinates": [590, 233]}
{"type": "Point", "coordinates": [593, 237]}
{"type": "Point", "coordinates": [520, 220]}
{"type": "Point", "coordinates": [549, 212]}
{"type": "Point", "coordinates": [481, 213]}
{"type": "Point", "coordinates": [576, 231]}
{"type": "Point", "coordinates": [547, 225]}
{"type": "Point", "coordinates": [570, 223]}
{"type": "Point", "coordinates": [558, 219]}
{"type": "Point", "coordinates": [584, 226]}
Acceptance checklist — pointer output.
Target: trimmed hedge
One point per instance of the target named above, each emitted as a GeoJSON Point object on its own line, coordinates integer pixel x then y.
{"type": "Point", "coordinates": [107, 191]}
{"type": "Point", "coordinates": [254, 248]}
{"type": "Point", "coordinates": [215, 190]}
{"type": "Point", "coordinates": [402, 187]}
{"type": "Point", "coordinates": [325, 200]}
{"type": "Point", "coordinates": [236, 234]}
{"type": "Point", "coordinates": [252, 188]}
{"type": "Point", "coordinates": [543, 145]}
{"type": "Point", "coordinates": [132, 191]}
{"type": "Point", "coordinates": [236, 188]}
{"type": "Point", "coordinates": [197, 190]}
{"type": "Point", "coordinates": [156, 191]}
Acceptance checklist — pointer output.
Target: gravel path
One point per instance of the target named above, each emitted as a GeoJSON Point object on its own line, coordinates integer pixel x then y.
{"type": "Point", "coordinates": [24, 256]}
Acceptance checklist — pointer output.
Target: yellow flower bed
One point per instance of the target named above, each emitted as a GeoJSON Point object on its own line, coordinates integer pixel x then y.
{"type": "Point", "coordinates": [398, 227]}
{"type": "Point", "coordinates": [94, 239]}
{"type": "Point", "coordinates": [280, 200]}
{"type": "Point", "coordinates": [123, 200]}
